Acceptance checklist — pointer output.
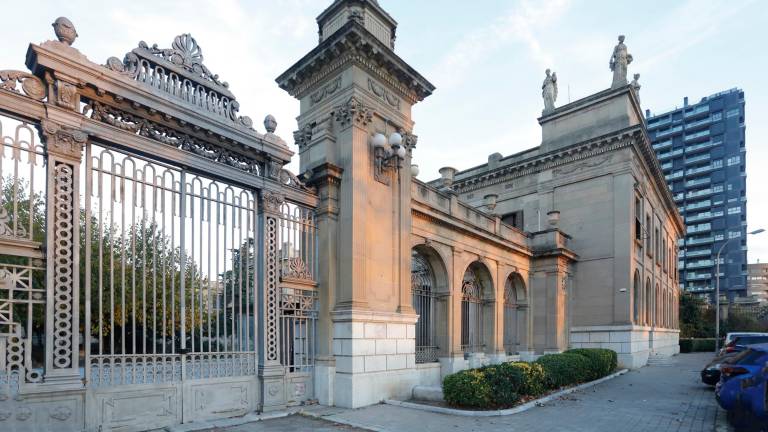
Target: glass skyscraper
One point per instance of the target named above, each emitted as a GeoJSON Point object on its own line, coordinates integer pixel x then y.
{"type": "Point", "coordinates": [701, 149]}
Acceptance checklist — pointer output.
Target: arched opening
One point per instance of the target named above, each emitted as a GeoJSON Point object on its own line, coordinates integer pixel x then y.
{"type": "Point", "coordinates": [637, 290]}
{"type": "Point", "coordinates": [515, 313]}
{"type": "Point", "coordinates": [476, 308]}
{"type": "Point", "coordinates": [648, 302]}
{"type": "Point", "coordinates": [659, 305]}
{"type": "Point", "coordinates": [428, 279]}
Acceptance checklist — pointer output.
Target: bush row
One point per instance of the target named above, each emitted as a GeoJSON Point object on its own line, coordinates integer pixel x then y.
{"type": "Point", "coordinates": [503, 385]}
{"type": "Point", "coordinates": [697, 345]}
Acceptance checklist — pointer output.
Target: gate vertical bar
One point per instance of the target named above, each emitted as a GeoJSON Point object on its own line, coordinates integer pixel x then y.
{"type": "Point", "coordinates": [271, 372]}
{"type": "Point", "coordinates": [64, 147]}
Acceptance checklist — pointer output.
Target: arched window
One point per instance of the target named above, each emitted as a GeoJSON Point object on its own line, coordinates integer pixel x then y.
{"type": "Point", "coordinates": [659, 304]}
{"type": "Point", "coordinates": [514, 312]}
{"type": "Point", "coordinates": [423, 290]}
{"type": "Point", "coordinates": [637, 290]}
{"type": "Point", "coordinates": [474, 288]}
{"type": "Point", "coordinates": [648, 302]}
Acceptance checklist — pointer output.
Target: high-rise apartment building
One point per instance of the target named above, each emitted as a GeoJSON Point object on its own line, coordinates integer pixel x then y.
{"type": "Point", "coordinates": [701, 149]}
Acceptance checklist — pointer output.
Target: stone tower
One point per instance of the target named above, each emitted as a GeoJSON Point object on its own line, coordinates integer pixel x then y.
{"type": "Point", "coordinates": [355, 143]}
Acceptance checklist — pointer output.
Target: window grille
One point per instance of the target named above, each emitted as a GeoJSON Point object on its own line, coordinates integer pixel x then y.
{"type": "Point", "coordinates": [424, 299]}
{"type": "Point", "coordinates": [471, 313]}
{"type": "Point", "coordinates": [510, 316]}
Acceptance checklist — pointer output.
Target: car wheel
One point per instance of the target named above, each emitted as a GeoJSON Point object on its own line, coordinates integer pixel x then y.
{"type": "Point", "coordinates": [740, 417]}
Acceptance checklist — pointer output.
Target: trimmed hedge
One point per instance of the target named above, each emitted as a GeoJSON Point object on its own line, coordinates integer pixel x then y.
{"type": "Point", "coordinates": [565, 369]}
{"type": "Point", "coordinates": [494, 386]}
{"type": "Point", "coordinates": [697, 345]}
{"type": "Point", "coordinates": [503, 385]}
{"type": "Point", "coordinates": [468, 388]}
{"type": "Point", "coordinates": [603, 361]}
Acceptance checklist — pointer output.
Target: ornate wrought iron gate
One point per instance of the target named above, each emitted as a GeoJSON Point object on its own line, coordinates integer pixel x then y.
{"type": "Point", "coordinates": [157, 263]}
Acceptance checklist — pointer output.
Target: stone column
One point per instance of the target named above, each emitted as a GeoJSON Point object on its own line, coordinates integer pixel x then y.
{"type": "Point", "coordinates": [497, 353]}
{"type": "Point", "coordinates": [454, 361]}
{"type": "Point", "coordinates": [271, 371]}
{"type": "Point", "coordinates": [327, 179]}
{"type": "Point", "coordinates": [64, 147]}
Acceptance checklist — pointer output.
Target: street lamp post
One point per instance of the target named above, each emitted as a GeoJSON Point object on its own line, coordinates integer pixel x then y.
{"type": "Point", "coordinates": [717, 289]}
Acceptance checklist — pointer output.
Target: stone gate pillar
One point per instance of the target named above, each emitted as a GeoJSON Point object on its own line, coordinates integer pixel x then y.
{"type": "Point", "coordinates": [63, 146]}
{"type": "Point", "coordinates": [356, 96]}
{"type": "Point", "coordinates": [271, 371]}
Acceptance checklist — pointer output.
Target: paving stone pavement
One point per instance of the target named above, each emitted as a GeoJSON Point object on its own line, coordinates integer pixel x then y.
{"type": "Point", "coordinates": [655, 398]}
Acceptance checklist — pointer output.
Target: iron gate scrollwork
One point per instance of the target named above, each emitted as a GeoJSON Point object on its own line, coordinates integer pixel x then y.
{"type": "Point", "coordinates": [171, 275]}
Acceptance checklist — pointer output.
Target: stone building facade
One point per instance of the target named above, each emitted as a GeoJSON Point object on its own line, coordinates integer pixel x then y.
{"type": "Point", "coordinates": [349, 283]}
{"type": "Point", "coordinates": [569, 244]}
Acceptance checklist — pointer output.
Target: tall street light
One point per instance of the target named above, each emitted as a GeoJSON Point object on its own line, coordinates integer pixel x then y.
{"type": "Point", "coordinates": [717, 288]}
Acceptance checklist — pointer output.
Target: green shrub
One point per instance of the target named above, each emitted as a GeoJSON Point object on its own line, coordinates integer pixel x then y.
{"type": "Point", "coordinates": [565, 369]}
{"type": "Point", "coordinates": [602, 361]}
{"type": "Point", "coordinates": [533, 378]}
{"type": "Point", "coordinates": [496, 386]}
{"type": "Point", "coordinates": [697, 345]}
{"type": "Point", "coordinates": [467, 388]}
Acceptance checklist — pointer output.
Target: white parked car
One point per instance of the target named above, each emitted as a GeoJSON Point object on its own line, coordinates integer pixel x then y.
{"type": "Point", "coordinates": [731, 336]}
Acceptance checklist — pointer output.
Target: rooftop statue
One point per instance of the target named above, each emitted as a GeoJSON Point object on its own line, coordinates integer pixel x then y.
{"type": "Point", "coordinates": [636, 86]}
{"type": "Point", "coordinates": [549, 92]}
{"type": "Point", "coordinates": [618, 64]}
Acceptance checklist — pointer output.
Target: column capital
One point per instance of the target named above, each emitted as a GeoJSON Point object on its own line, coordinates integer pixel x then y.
{"type": "Point", "coordinates": [63, 141]}
{"type": "Point", "coordinates": [270, 201]}
{"type": "Point", "coordinates": [353, 113]}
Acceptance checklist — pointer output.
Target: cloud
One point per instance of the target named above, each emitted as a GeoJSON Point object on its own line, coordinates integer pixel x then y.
{"type": "Point", "coordinates": [521, 24]}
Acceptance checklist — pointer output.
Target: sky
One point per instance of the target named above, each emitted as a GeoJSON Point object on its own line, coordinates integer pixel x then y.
{"type": "Point", "coordinates": [486, 58]}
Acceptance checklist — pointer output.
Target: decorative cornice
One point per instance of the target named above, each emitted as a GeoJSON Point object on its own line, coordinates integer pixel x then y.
{"type": "Point", "coordinates": [354, 44]}
{"type": "Point", "coordinates": [141, 126]}
{"type": "Point", "coordinates": [551, 160]}
{"type": "Point", "coordinates": [501, 241]}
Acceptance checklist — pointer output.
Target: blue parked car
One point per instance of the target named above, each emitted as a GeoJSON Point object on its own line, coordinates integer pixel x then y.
{"type": "Point", "coordinates": [742, 387]}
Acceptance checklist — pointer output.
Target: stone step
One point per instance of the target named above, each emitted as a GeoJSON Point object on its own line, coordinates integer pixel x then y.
{"type": "Point", "coordinates": [428, 393]}
{"type": "Point", "coordinates": [657, 359]}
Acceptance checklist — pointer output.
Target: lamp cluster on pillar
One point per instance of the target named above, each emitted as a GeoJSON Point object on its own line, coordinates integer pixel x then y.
{"type": "Point", "coordinates": [388, 155]}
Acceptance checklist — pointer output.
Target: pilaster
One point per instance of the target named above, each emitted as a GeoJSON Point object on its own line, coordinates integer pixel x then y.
{"type": "Point", "coordinates": [64, 146]}
{"type": "Point", "coordinates": [271, 371]}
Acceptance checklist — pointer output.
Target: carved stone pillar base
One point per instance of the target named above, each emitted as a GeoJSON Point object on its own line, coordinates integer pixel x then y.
{"type": "Point", "coordinates": [272, 388]}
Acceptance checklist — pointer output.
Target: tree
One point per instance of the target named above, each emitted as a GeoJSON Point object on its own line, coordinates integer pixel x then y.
{"type": "Point", "coordinates": [696, 319]}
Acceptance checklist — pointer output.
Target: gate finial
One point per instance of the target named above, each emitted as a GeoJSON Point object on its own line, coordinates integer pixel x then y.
{"type": "Point", "coordinates": [65, 30]}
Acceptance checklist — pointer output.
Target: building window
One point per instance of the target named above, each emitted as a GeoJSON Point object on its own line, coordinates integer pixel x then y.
{"type": "Point", "coordinates": [638, 221]}
{"type": "Point", "coordinates": [424, 302]}
{"type": "Point", "coordinates": [514, 312]}
{"type": "Point", "coordinates": [717, 116]}
{"type": "Point", "coordinates": [648, 239]}
{"type": "Point", "coordinates": [657, 243]}
{"type": "Point", "coordinates": [734, 210]}
{"type": "Point", "coordinates": [514, 219]}
{"type": "Point", "coordinates": [732, 113]}
{"type": "Point", "coordinates": [474, 307]}
{"type": "Point", "coordinates": [637, 288]}
{"type": "Point", "coordinates": [735, 160]}
{"type": "Point", "coordinates": [734, 234]}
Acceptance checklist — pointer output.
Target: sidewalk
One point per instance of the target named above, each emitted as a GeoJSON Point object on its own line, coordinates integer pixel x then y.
{"type": "Point", "coordinates": [654, 398]}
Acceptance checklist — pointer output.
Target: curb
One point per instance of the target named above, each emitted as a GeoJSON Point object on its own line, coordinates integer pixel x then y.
{"type": "Point", "coordinates": [225, 422]}
{"type": "Point", "coordinates": [330, 418]}
{"type": "Point", "coordinates": [505, 412]}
